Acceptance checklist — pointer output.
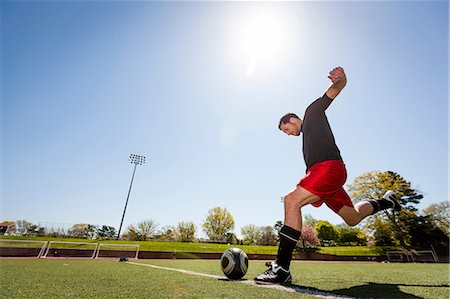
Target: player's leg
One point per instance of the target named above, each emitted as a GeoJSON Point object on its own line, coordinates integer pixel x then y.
{"type": "Point", "coordinates": [291, 230]}
{"type": "Point", "coordinates": [321, 181]}
{"type": "Point", "coordinates": [289, 236]}
{"type": "Point", "coordinates": [341, 204]}
{"type": "Point", "coordinates": [390, 200]}
{"type": "Point", "coordinates": [353, 215]}
{"type": "Point", "coordinates": [292, 205]}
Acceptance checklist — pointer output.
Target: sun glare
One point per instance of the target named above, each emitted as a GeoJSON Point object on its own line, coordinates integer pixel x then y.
{"type": "Point", "coordinates": [261, 42]}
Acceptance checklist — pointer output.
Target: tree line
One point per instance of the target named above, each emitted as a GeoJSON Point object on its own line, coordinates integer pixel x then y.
{"type": "Point", "coordinates": [407, 228]}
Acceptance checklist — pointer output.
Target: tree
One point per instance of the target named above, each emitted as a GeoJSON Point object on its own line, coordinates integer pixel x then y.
{"type": "Point", "coordinates": [251, 234]}
{"type": "Point", "coordinates": [35, 230]}
{"type": "Point", "coordinates": [232, 239]}
{"type": "Point", "coordinates": [32, 230]}
{"type": "Point", "coordinates": [106, 232]}
{"type": "Point", "coordinates": [23, 227]}
{"type": "Point", "coordinates": [362, 238]}
{"type": "Point", "coordinates": [373, 185]}
{"type": "Point", "coordinates": [439, 213]}
{"type": "Point", "coordinates": [10, 227]}
{"type": "Point", "coordinates": [308, 219]}
{"type": "Point", "coordinates": [186, 231]}
{"type": "Point", "coordinates": [308, 237]}
{"type": "Point", "coordinates": [268, 236]}
{"type": "Point", "coordinates": [382, 234]}
{"type": "Point", "coordinates": [349, 235]}
{"type": "Point", "coordinates": [326, 231]}
{"type": "Point", "coordinates": [425, 233]}
{"type": "Point", "coordinates": [277, 227]}
{"type": "Point", "coordinates": [218, 223]}
{"type": "Point", "coordinates": [132, 234]}
{"type": "Point", "coordinates": [167, 233]}
{"type": "Point", "coordinates": [147, 229]}
{"type": "Point", "coordinates": [56, 234]}
{"type": "Point", "coordinates": [82, 230]}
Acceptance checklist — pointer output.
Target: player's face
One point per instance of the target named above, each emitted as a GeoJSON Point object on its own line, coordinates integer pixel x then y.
{"type": "Point", "coordinates": [290, 129]}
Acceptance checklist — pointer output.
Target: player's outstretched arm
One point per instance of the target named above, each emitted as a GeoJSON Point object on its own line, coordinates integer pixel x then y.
{"type": "Point", "coordinates": [338, 80]}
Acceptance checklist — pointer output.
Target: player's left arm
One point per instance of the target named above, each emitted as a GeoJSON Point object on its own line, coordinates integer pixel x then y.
{"type": "Point", "coordinates": [338, 80]}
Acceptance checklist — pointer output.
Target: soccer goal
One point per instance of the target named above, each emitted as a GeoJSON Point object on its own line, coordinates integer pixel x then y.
{"type": "Point", "coordinates": [425, 256]}
{"type": "Point", "coordinates": [106, 250]}
{"type": "Point", "coordinates": [420, 256]}
{"type": "Point", "coordinates": [70, 249]}
{"type": "Point", "coordinates": [399, 256]}
{"type": "Point", "coordinates": [22, 248]}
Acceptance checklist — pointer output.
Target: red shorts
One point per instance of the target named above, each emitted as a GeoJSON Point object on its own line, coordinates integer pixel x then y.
{"type": "Point", "coordinates": [325, 179]}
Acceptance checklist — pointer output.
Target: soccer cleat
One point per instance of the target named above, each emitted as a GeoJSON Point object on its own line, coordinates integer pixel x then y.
{"type": "Point", "coordinates": [275, 274]}
{"type": "Point", "coordinates": [392, 197]}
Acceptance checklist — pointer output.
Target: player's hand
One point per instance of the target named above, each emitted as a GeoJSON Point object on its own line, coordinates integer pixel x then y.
{"type": "Point", "coordinates": [337, 75]}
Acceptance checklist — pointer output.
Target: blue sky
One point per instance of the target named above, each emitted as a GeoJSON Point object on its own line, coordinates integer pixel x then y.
{"type": "Point", "coordinates": [198, 88]}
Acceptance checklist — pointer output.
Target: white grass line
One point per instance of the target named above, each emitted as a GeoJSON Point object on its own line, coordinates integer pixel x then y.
{"type": "Point", "coordinates": [292, 289]}
{"type": "Point", "coordinates": [179, 270]}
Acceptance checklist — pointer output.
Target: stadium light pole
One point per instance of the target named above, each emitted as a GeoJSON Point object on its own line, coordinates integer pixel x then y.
{"type": "Point", "coordinates": [136, 160]}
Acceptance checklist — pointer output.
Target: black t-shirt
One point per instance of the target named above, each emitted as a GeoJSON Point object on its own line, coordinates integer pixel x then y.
{"type": "Point", "coordinates": [318, 140]}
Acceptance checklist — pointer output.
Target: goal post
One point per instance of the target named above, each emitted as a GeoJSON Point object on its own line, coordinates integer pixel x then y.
{"type": "Point", "coordinates": [399, 256]}
{"type": "Point", "coordinates": [425, 256]}
{"type": "Point", "coordinates": [107, 250]}
{"type": "Point", "coordinates": [421, 256]}
{"type": "Point", "coordinates": [70, 249]}
{"type": "Point", "coordinates": [22, 248]}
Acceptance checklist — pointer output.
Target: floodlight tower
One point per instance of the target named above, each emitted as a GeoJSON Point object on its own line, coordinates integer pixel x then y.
{"type": "Point", "coordinates": [136, 160]}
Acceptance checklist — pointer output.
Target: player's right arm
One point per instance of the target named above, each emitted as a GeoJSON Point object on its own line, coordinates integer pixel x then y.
{"type": "Point", "coordinates": [338, 80]}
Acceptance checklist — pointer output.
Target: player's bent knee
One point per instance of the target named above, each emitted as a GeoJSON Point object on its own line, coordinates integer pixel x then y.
{"type": "Point", "coordinates": [291, 201]}
{"type": "Point", "coordinates": [350, 215]}
{"type": "Point", "coordinates": [352, 222]}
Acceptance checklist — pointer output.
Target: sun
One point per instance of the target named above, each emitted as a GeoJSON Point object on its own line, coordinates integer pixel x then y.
{"type": "Point", "coordinates": [261, 42]}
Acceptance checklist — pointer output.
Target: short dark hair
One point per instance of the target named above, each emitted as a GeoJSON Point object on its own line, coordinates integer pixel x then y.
{"type": "Point", "coordinates": [286, 119]}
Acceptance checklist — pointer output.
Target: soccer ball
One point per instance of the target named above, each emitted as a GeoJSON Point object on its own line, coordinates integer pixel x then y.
{"type": "Point", "coordinates": [234, 263]}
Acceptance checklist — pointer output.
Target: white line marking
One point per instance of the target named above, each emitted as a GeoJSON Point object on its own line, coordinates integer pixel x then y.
{"type": "Point", "coordinates": [179, 270]}
{"type": "Point", "coordinates": [292, 289]}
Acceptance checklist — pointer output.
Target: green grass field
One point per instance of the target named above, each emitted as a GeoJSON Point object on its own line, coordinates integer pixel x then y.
{"type": "Point", "coordinates": [111, 279]}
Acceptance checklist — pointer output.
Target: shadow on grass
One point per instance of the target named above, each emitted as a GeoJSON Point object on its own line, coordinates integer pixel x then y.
{"type": "Point", "coordinates": [372, 290]}
{"type": "Point", "coordinates": [369, 290]}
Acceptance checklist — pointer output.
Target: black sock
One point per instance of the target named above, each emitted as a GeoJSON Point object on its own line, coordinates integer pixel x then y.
{"type": "Point", "coordinates": [288, 240]}
{"type": "Point", "coordinates": [380, 204]}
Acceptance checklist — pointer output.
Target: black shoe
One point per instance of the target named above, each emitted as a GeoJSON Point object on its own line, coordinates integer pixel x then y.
{"type": "Point", "coordinates": [275, 274]}
{"type": "Point", "coordinates": [392, 197]}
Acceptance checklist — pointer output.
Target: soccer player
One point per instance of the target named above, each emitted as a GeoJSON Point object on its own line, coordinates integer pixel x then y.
{"type": "Point", "coordinates": [325, 176]}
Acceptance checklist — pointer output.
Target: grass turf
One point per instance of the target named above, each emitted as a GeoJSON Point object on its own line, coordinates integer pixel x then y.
{"type": "Point", "coordinates": [110, 279]}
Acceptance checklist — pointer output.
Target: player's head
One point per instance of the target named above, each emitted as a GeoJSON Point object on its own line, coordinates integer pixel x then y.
{"type": "Point", "coordinates": [290, 124]}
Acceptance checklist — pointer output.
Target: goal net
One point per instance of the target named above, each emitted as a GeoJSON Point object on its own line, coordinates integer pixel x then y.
{"type": "Point", "coordinates": [399, 256]}
{"type": "Point", "coordinates": [106, 250]}
{"type": "Point", "coordinates": [424, 256]}
{"type": "Point", "coordinates": [70, 249]}
{"type": "Point", "coordinates": [22, 248]}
